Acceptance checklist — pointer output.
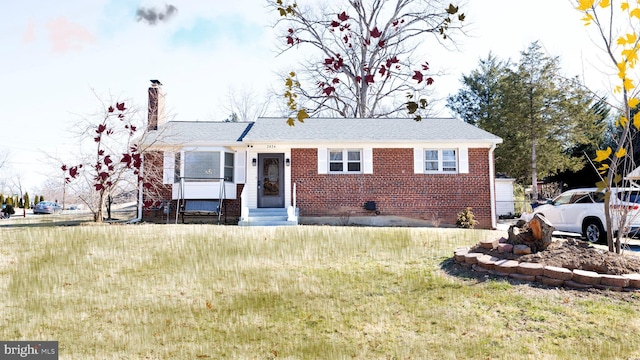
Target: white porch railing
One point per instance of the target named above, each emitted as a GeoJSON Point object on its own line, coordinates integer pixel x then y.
{"type": "Point", "coordinates": [244, 209]}
{"type": "Point", "coordinates": [291, 210]}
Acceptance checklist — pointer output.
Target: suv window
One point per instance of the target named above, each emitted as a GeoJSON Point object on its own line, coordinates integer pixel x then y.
{"type": "Point", "coordinates": [598, 197]}
{"type": "Point", "coordinates": [563, 199]}
{"type": "Point", "coordinates": [630, 196]}
{"type": "Point", "coordinates": [583, 199]}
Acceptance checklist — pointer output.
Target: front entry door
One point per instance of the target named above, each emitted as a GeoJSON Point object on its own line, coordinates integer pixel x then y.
{"type": "Point", "coordinates": [270, 180]}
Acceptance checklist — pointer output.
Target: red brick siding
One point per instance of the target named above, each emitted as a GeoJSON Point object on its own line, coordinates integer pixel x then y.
{"type": "Point", "coordinates": [394, 187]}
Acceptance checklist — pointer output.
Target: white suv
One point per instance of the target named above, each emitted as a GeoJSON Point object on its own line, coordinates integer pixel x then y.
{"type": "Point", "coordinates": [582, 211]}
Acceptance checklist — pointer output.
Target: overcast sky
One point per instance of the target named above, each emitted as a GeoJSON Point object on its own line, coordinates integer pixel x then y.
{"type": "Point", "coordinates": [55, 54]}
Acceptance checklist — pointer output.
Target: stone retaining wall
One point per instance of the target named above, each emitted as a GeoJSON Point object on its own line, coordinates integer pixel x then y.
{"type": "Point", "coordinates": [548, 275]}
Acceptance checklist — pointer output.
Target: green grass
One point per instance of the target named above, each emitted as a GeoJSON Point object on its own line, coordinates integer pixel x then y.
{"type": "Point", "coordinates": [206, 291]}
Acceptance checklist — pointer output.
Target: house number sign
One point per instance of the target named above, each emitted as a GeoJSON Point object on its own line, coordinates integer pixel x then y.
{"type": "Point", "coordinates": [271, 146]}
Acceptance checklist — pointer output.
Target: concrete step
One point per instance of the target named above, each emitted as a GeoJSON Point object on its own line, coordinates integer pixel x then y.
{"type": "Point", "coordinates": [260, 222]}
{"type": "Point", "coordinates": [267, 217]}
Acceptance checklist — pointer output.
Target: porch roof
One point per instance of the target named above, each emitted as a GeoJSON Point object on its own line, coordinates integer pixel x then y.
{"type": "Point", "coordinates": [379, 130]}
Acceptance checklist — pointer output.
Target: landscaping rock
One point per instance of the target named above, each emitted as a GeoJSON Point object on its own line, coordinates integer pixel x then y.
{"type": "Point", "coordinates": [609, 288]}
{"type": "Point", "coordinates": [459, 254]}
{"type": "Point", "coordinates": [522, 277]}
{"type": "Point", "coordinates": [559, 273]}
{"type": "Point", "coordinates": [586, 277]}
{"type": "Point", "coordinates": [521, 250]}
{"type": "Point", "coordinates": [505, 248]}
{"type": "Point", "coordinates": [498, 273]}
{"type": "Point", "coordinates": [472, 258]}
{"type": "Point", "coordinates": [507, 266]}
{"type": "Point", "coordinates": [487, 261]}
{"type": "Point", "coordinates": [634, 280]}
{"type": "Point", "coordinates": [576, 285]}
{"type": "Point", "coordinates": [614, 280]}
{"type": "Point", "coordinates": [489, 243]}
{"type": "Point", "coordinates": [479, 269]}
{"type": "Point", "coordinates": [527, 268]}
{"type": "Point", "coordinates": [550, 281]}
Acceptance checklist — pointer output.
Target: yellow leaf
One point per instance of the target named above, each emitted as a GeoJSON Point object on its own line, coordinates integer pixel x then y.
{"type": "Point", "coordinates": [601, 185]}
{"type": "Point", "coordinates": [602, 155]}
{"type": "Point", "coordinates": [288, 83]}
{"type": "Point", "coordinates": [292, 74]}
{"type": "Point", "coordinates": [624, 6]}
{"type": "Point", "coordinates": [587, 18]}
{"type": "Point", "coordinates": [584, 5]}
{"type": "Point", "coordinates": [617, 89]}
{"type": "Point", "coordinates": [291, 122]}
{"type": "Point", "coordinates": [605, 4]}
{"type": "Point", "coordinates": [623, 121]}
{"type": "Point", "coordinates": [621, 40]}
{"type": "Point", "coordinates": [633, 102]}
{"type": "Point", "coordinates": [631, 38]}
{"type": "Point", "coordinates": [621, 153]}
{"type": "Point", "coordinates": [628, 84]}
{"type": "Point", "coordinates": [603, 168]}
{"type": "Point", "coordinates": [636, 120]}
{"type": "Point", "coordinates": [635, 13]}
{"type": "Point", "coordinates": [302, 114]}
{"type": "Point", "coordinates": [617, 178]}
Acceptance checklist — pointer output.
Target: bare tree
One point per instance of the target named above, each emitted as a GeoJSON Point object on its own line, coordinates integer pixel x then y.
{"type": "Point", "coordinates": [4, 158]}
{"type": "Point", "coordinates": [362, 54]}
{"type": "Point", "coordinates": [245, 104]}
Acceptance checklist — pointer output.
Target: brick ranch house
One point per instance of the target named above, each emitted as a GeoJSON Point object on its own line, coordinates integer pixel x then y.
{"type": "Point", "coordinates": [430, 169]}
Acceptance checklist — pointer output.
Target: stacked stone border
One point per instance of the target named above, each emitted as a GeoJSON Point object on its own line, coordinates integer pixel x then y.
{"type": "Point", "coordinates": [535, 272]}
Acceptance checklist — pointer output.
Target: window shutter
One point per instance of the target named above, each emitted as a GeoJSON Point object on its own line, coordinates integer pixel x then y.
{"type": "Point", "coordinates": [168, 167]}
{"type": "Point", "coordinates": [463, 160]}
{"type": "Point", "coordinates": [239, 166]}
{"type": "Point", "coordinates": [322, 161]}
{"type": "Point", "coordinates": [418, 160]}
{"type": "Point", "coordinates": [367, 157]}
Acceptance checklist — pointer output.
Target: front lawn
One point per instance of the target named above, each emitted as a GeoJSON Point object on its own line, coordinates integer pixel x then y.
{"type": "Point", "coordinates": [306, 292]}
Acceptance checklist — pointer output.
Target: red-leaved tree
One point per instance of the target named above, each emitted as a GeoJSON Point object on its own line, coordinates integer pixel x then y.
{"type": "Point", "coordinates": [364, 58]}
{"type": "Point", "coordinates": [116, 157]}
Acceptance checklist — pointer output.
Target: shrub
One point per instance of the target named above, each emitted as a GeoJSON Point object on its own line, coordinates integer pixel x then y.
{"type": "Point", "coordinates": [466, 219]}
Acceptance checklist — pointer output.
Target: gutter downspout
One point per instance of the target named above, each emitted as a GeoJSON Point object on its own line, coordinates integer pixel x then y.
{"type": "Point", "coordinates": [492, 187]}
{"type": "Point", "coordinates": [140, 189]}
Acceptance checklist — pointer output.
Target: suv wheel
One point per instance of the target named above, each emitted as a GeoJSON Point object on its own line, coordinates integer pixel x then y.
{"type": "Point", "coordinates": [593, 231]}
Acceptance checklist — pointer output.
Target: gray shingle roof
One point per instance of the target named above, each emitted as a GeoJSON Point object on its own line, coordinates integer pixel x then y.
{"type": "Point", "coordinates": [198, 133]}
{"type": "Point", "coordinates": [319, 130]}
{"type": "Point", "coordinates": [379, 130]}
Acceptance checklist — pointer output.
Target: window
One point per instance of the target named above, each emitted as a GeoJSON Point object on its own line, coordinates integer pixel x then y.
{"type": "Point", "coordinates": [345, 161]}
{"type": "Point", "coordinates": [208, 165]}
{"type": "Point", "coordinates": [176, 168]}
{"type": "Point", "coordinates": [440, 160]}
{"type": "Point", "coordinates": [228, 167]}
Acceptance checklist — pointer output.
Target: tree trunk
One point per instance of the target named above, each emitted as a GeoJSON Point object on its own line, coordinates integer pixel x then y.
{"type": "Point", "coordinates": [99, 217]}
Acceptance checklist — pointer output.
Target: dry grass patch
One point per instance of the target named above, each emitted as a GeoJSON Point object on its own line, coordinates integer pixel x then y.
{"type": "Point", "coordinates": [206, 291]}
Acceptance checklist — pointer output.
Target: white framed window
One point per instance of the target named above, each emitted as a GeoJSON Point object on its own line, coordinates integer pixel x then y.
{"type": "Point", "coordinates": [345, 161]}
{"type": "Point", "coordinates": [440, 160]}
{"type": "Point", "coordinates": [228, 166]}
{"type": "Point", "coordinates": [208, 165]}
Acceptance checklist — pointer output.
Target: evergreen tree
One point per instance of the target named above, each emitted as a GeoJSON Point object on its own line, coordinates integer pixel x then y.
{"type": "Point", "coordinates": [540, 115]}
{"type": "Point", "coordinates": [27, 203]}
